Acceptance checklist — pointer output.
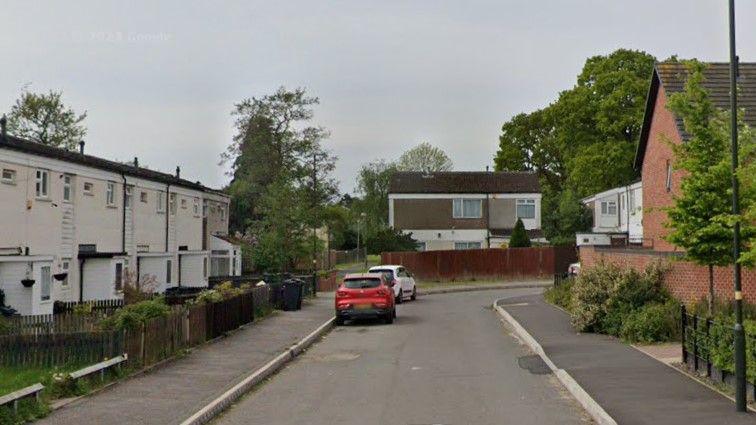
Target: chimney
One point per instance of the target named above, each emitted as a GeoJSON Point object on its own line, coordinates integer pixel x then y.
{"type": "Point", "coordinates": [136, 162]}
{"type": "Point", "coordinates": [3, 129]}
{"type": "Point", "coordinates": [81, 147]}
{"type": "Point", "coordinates": [178, 172]}
{"type": "Point", "coordinates": [486, 168]}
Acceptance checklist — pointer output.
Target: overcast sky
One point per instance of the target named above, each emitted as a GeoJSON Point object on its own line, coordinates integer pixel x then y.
{"type": "Point", "coordinates": [159, 78]}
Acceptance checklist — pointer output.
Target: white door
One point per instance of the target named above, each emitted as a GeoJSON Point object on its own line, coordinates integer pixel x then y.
{"type": "Point", "coordinates": [404, 279]}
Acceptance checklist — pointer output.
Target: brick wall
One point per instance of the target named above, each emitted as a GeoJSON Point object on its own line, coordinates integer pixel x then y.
{"type": "Point", "coordinates": [685, 281]}
{"type": "Point", "coordinates": [659, 153]}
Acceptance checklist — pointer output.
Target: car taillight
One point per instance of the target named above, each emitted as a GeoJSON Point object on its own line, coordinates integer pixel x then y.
{"type": "Point", "coordinates": [344, 306]}
{"type": "Point", "coordinates": [341, 293]}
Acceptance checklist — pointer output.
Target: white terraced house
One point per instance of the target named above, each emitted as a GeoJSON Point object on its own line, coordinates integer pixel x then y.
{"type": "Point", "coordinates": [74, 225]}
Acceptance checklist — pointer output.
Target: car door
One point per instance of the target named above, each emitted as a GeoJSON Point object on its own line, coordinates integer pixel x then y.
{"type": "Point", "coordinates": [401, 274]}
{"type": "Point", "coordinates": [410, 279]}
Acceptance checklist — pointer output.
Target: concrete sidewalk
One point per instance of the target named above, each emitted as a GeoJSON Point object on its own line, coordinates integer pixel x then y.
{"type": "Point", "coordinates": [173, 392]}
{"type": "Point", "coordinates": [630, 386]}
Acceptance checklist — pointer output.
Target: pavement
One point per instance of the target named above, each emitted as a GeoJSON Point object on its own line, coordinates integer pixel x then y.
{"type": "Point", "coordinates": [175, 391]}
{"type": "Point", "coordinates": [447, 359]}
{"type": "Point", "coordinates": [630, 386]}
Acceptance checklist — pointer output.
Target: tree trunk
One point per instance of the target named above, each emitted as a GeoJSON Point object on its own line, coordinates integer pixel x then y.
{"type": "Point", "coordinates": [711, 290]}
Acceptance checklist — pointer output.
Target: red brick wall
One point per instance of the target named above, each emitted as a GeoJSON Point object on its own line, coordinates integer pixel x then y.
{"type": "Point", "coordinates": [654, 174]}
{"type": "Point", "coordinates": [685, 281]}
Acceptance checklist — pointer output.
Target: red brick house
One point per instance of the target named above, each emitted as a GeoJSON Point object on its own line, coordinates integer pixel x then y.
{"type": "Point", "coordinates": [661, 182]}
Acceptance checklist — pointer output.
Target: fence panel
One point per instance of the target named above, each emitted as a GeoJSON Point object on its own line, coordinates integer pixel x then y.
{"type": "Point", "coordinates": [47, 350]}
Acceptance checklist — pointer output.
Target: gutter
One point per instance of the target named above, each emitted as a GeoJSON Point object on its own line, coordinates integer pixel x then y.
{"type": "Point", "coordinates": [81, 279]}
{"type": "Point", "coordinates": [167, 213]}
{"type": "Point", "coordinates": [123, 215]}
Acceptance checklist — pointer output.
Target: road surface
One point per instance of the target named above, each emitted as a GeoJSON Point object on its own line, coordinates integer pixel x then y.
{"type": "Point", "coordinates": [447, 359]}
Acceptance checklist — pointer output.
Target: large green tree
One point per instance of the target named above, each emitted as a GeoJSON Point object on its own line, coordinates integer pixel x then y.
{"type": "Point", "coordinates": [44, 118]}
{"type": "Point", "coordinates": [373, 182]}
{"type": "Point", "coordinates": [583, 142]}
{"type": "Point", "coordinates": [426, 158]}
{"type": "Point", "coordinates": [699, 220]}
{"type": "Point", "coordinates": [281, 174]}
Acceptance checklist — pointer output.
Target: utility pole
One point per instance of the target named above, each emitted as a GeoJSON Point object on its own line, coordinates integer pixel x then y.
{"type": "Point", "coordinates": [739, 332]}
{"type": "Point", "coordinates": [314, 207]}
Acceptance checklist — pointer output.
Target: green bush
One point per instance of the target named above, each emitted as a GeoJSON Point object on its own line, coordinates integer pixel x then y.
{"type": "Point", "coordinates": [134, 315]}
{"type": "Point", "coordinates": [590, 296]}
{"type": "Point", "coordinates": [28, 411]}
{"type": "Point", "coordinates": [652, 323]}
{"type": "Point", "coordinates": [561, 295]}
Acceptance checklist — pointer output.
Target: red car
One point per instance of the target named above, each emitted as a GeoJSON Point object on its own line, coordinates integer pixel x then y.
{"type": "Point", "coordinates": [365, 295]}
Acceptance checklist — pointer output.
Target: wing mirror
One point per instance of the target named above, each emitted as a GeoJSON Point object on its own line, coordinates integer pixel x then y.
{"type": "Point", "coordinates": [390, 283]}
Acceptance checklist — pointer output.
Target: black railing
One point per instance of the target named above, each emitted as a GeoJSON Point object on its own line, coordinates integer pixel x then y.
{"type": "Point", "coordinates": [708, 349]}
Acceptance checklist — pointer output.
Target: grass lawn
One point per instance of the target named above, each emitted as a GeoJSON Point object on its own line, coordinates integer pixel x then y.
{"type": "Point", "coordinates": [15, 378]}
{"type": "Point", "coordinates": [372, 260]}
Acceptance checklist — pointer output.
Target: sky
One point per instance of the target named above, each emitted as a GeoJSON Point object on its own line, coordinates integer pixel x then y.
{"type": "Point", "coordinates": [159, 79]}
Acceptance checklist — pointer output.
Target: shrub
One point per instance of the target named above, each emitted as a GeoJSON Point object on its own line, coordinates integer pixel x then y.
{"type": "Point", "coordinates": [519, 237]}
{"type": "Point", "coordinates": [561, 295]}
{"type": "Point", "coordinates": [590, 296]}
{"type": "Point", "coordinates": [652, 323]}
{"type": "Point", "coordinates": [134, 315]}
{"type": "Point", "coordinates": [224, 291]}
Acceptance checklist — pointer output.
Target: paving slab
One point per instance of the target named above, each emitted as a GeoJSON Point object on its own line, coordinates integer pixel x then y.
{"type": "Point", "coordinates": [631, 386]}
{"type": "Point", "coordinates": [173, 392]}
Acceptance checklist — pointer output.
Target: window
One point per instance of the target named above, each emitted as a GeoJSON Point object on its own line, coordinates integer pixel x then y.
{"type": "Point", "coordinates": [420, 246]}
{"type": "Point", "coordinates": [466, 245]}
{"type": "Point", "coordinates": [204, 267]}
{"type": "Point", "coordinates": [204, 209]}
{"type": "Point", "coordinates": [467, 208]}
{"type": "Point", "coordinates": [110, 194]}
{"type": "Point", "coordinates": [143, 248]}
{"type": "Point", "coordinates": [119, 276]}
{"type": "Point", "coordinates": [42, 183]}
{"type": "Point", "coordinates": [526, 208]}
{"type": "Point", "coordinates": [143, 197]}
{"type": "Point", "coordinates": [196, 207]}
{"type": "Point", "coordinates": [9, 176]}
{"type": "Point", "coordinates": [168, 269]}
{"type": "Point", "coordinates": [631, 202]}
{"type": "Point", "coordinates": [127, 200]}
{"type": "Point", "coordinates": [172, 203]}
{"type": "Point", "coordinates": [669, 177]}
{"type": "Point", "coordinates": [88, 188]}
{"type": "Point", "coordinates": [65, 265]}
{"type": "Point", "coordinates": [609, 207]}
{"type": "Point", "coordinates": [67, 187]}
{"type": "Point", "coordinates": [160, 202]}
{"type": "Point", "coordinates": [183, 204]}
{"type": "Point", "coordinates": [222, 211]}
{"type": "Point", "coordinates": [46, 281]}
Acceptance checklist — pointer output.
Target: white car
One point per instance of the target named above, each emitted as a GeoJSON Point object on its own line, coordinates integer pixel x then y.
{"type": "Point", "coordinates": [404, 283]}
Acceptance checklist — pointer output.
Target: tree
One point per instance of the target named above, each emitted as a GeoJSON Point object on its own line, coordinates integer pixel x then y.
{"type": "Point", "coordinates": [585, 140]}
{"type": "Point", "coordinates": [747, 140]}
{"type": "Point", "coordinates": [426, 158]}
{"type": "Point", "coordinates": [44, 118]}
{"type": "Point", "coordinates": [373, 182]}
{"type": "Point", "coordinates": [699, 219]}
{"type": "Point", "coordinates": [519, 238]}
{"type": "Point", "coordinates": [388, 239]}
{"type": "Point", "coordinates": [281, 175]}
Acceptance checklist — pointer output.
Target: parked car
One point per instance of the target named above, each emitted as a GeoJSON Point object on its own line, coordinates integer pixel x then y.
{"type": "Point", "coordinates": [404, 286]}
{"type": "Point", "coordinates": [365, 295]}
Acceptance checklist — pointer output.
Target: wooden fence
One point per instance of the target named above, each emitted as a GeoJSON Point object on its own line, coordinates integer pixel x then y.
{"type": "Point", "coordinates": [101, 306]}
{"type": "Point", "coordinates": [150, 343]}
{"type": "Point", "coordinates": [49, 324]}
{"type": "Point", "coordinates": [476, 264]}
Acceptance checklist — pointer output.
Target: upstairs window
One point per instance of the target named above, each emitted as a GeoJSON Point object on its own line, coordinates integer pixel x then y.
{"type": "Point", "coordinates": [467, 208]}
{"type": "Point", "coordinates": [127, 200]}
{"type": "Point", "coordinates": [143, 197]}
{"type": "Point", "coordinates": [526, 208]}
{"type": "Point", "coordinates": [67, 187]}
{"type": "Point", "coordinates": [172, 203]}
{"type": "Point", "coordinates": [196, 207]}
{"type": "Point", "coordinates": [8, 176]}
{"type": "Point", "coordinates": [110, 194]}
{"type": "Point", "coordinates": [88, 188]}
{"type": "Point", "coordinates": [609, 208]}
{"type": "Point", "coordinates": [42, 183]}
{"type": "Point", "coordinates": [183, 204]}
{"type": "Point", "coordinates": [222, 211]}
{"type": "Point", "coordinates": [160, 202]}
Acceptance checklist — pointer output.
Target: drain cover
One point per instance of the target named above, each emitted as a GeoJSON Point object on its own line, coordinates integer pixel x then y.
{"type": "Point", "coordinates": [533, 364]}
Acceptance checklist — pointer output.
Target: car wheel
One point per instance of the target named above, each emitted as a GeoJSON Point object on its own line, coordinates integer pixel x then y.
{"type": "Point", "coordinates": [400, 297]}
{"type": "Point", "coordinates": [414, 293]}
{"type": "Point", "coordinates": [389, 318]}
{"type": "Point", "coordinates": [340, 321]}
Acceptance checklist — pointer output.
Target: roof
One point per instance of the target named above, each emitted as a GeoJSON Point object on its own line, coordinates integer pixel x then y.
{"type": "Point", "coordinates": [34, 148]}
{"type": "Point", "coordinates": [672, 76]}
{"type": "Point", "coordinates": [465, 182]}
{"type": "Point", "coordinates": [230, 239]}
{"type": "Point", "coordinates": [505, 233]}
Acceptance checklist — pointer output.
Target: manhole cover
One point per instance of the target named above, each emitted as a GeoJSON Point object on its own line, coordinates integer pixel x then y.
{"type": "Point", "coordinates": [533, 364]}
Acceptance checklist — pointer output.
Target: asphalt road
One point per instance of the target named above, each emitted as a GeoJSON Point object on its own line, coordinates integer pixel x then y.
{"type": "Point", "coordinates": [447, 359]}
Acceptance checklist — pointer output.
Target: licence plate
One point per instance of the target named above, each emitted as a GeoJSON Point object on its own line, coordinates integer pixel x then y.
{"type": "Point", "coordinates": [363, 306]}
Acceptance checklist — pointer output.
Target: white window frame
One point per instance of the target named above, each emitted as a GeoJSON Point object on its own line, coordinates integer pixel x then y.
{"type": "Point", "coordinates": [168, 271]}
{"type": "Point", "coordinates": [222, 211]}
{"type": "Point", "coordinates": [65, 267]}
{"type": "Point", "coordinates": [45, 283]}
{"type": "Point", "coordinates": [525, 203]}
{"type": "Point", "coordinates": [160, 202]}
{"type": "Point", "coordinates": [184, 204]}
{"type": "Point", "coordinates": [129, 196]}
{"type": "Point", "coordinates": [458, 208]}
{"type": "Point", "coordinates": [461, 246]}
{"type": "Point", "coordinates": [118, 277]}
{"type": "Point", "coordinates": [172, 203]}
{"type": "Point", "coordinates": [110, 194]}
{"type": "Point", "coordinates": [143, 196]}
{"type": "Point", "coordinates": [68, 188]}
{"type": "Point", "coordinates": [204, 209]}
{"type": "Point", "coordinates": [196, 207]}
{"type": "Point", "coordinates": [42, 184]}
{"type": "Point", "coordinates": [90, 191]}
{"type": "Point", "coordinates": [11, 176]}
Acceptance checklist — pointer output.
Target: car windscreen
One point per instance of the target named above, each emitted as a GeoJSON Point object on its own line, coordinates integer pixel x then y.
{"type": "Point", "coordinates": [386, 272]}
{"type": "Point", "coordinates": [362, 283]}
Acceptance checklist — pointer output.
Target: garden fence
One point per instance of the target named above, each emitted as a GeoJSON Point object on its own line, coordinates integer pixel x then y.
{"type": "Point", "coordinates": [708, 349]}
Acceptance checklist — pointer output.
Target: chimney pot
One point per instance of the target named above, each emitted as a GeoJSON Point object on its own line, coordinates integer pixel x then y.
{"type": "Point", "coordinates": [3, 128]}
{"type": "Point", "coordinates": [486, 168]}
{"type": "Point", "coordinates": [136, 162]}
{"type": "Point", "coordinates": [81, 147]}
{"type": "Point", "coordinates": [178, 172]}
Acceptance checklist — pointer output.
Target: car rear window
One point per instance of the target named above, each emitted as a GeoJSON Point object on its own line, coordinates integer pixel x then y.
{"type": "Point", "coordinates": [387, 272]}
{"type": "Point", "coordinates": [362, 283]}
